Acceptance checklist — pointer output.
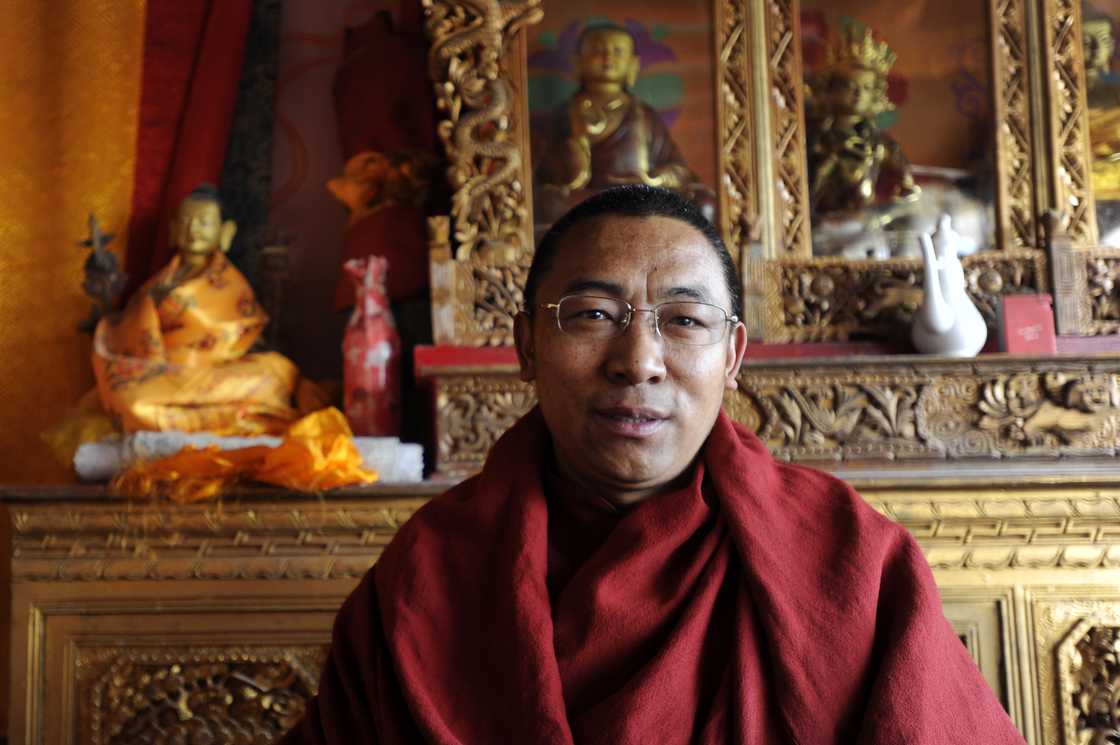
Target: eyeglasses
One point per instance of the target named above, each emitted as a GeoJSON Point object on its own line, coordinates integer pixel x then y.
{"type": "Point", "coordinates": [591, 317]}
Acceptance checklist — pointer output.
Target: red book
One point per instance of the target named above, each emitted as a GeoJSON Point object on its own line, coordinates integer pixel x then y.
{"type": "Point", "coordinates": [1027, 325]}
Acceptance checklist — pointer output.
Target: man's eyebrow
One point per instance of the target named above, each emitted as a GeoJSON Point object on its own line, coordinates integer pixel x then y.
{"type": "Point", "coordinates": [583, 285]}
{"type": "Point", "coordinates": [697, 293]}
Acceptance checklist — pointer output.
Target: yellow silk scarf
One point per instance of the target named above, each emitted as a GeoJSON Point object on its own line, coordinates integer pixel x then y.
{"type": "Point", "coordinates": [182, 363]}
{"type": "Point", "coordinates": [317, 453]}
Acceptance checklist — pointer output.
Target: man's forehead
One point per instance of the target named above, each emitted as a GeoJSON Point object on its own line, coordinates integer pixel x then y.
{"type": "Point", "coordinates": [662, 253]}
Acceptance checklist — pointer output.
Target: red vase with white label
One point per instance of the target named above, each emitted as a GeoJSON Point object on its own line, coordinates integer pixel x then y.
{"type": "Point", "coordinates": [371, 354]}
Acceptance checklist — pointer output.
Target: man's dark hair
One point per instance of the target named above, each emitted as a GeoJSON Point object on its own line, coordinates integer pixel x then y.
{"type": "Point", "coordinates": [631, 200]}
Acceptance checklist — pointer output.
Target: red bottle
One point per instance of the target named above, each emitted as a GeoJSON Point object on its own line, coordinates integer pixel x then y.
{"type": "Point", "coordinates": [371, 354]}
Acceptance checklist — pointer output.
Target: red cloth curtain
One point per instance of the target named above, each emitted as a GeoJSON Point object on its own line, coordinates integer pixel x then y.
{"type": "Point", "coordinates": [193, 51]}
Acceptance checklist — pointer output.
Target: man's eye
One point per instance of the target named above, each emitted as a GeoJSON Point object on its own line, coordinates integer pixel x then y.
{"type": "Point", "coordinates": [592, 314]}
{"type": "Point", "coordinates": [685, 322]}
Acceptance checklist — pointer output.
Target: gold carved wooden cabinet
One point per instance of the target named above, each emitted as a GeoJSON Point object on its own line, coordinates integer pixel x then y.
{"type": "Point", "coordinates": [133, 624]}
{"type": "Point", "coordinates": [136, 623]}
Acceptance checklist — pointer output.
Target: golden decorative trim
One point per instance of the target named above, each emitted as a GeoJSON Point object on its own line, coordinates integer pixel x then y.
{"type": "Point", "coordinates": [1102, 267]}
{"type": "Point", "coordinates": [190, 693]}
{"type": "Point", "coordinates": [1015, 170]}
{"type": "Point", "coordinates": [738, 198]}
{"type": "Point", "coordinates": [472, 413]}
{"type": "Point", "coordinates": [484, 132]}
{"type": "Point", "coordinates": [886, 408]}
{"type": "Point", "coordinates": [1064, 627]}
{"type": "Point", "coordinates": [830, 299]}
{"type": "Point", "coordinates": [87, 543]}
{"type": "Point", "coordinates": [1069, 146]}
{"type": "Point", "coordinates": [787, 122]}
{"type": "Point", "coordinates": [937, 409]}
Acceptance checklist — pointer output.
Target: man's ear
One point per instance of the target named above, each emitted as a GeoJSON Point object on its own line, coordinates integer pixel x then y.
{"type": "Point", "coordinates": [523, 343]}
{"type": "Point", "coordinates": [736, 348]}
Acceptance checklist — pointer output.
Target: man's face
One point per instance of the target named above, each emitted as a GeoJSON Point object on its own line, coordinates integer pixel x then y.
{"type": "Point", "coordinates": [606, 56]}
{"type": "Point", "coordinates": [198, 226]}
{"type": "Point", "coordinates": [629, 413]}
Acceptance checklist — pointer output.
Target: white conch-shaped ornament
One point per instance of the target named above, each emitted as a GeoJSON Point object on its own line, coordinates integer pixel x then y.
{"type": "Point", "coordinates": [947, 323]}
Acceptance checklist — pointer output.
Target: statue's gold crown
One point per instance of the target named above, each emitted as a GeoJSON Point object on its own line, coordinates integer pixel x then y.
{"type": "Point", "coordinates": [859, 50]}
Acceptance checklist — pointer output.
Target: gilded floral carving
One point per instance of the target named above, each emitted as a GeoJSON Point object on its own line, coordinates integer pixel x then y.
{"type": "Point", "coordinates": [195, 695]}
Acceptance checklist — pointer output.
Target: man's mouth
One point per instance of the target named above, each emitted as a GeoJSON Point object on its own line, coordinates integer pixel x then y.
{"type": "Point", "coordinates": [634, 422]}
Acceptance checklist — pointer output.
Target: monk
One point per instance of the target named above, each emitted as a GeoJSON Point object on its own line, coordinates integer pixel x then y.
{"type": "Point", "coordinates": [630, 566]}
{"type": "Point", "coordinates": [178, 356]}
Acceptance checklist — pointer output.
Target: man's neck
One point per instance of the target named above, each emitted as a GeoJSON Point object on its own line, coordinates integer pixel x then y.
{"type": "Point", "coordinates": [561, 482]}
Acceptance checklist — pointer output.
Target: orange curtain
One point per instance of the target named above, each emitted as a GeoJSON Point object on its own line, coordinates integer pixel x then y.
{"type": "Point", "coordinates": [70, 89]}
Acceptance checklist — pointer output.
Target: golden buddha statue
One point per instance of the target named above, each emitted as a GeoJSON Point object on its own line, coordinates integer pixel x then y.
{"type": "Point", "coordinates": [177, 356]}
{"type": "Point", "coordinates": [604, 135]}
{"type": "Point", "coordinates": [1099, 41]}
{"type": "Point", "coordinates": [853, 163]}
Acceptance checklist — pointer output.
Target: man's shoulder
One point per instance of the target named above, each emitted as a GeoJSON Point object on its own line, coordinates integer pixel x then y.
{"type": "Point", "coordinates": [808, 497]}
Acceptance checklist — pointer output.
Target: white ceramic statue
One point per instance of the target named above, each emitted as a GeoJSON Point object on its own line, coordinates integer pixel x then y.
{"type": "Point", "coordinates": [947, 323]}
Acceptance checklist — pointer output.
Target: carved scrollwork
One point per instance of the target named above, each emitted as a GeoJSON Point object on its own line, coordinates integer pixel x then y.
{"type": "Point", "coordinates": [831, 418]}
{"type": "Point", "coordinates": [1104, 292]}
{"type": "Point", "coordinates": [739, 205]}
{"type": "Point", "coordinates": [194, 695]}
{"type": "Point", "coordinates": [1052, 410]}
{"type": "Point", "coordinates": [1015, 168]}
{"type": "Point", "coordinates": [1070, 149]}
{"type": "Point", "coordinates": [787, 128]}
{"type": "Point", "coordinates": [827, 299]}
{"type": "Point", "coordinates": [1094, 674]}
{"type": "Point", "coordinates": [482, 131]}
{"type": "Point", "coordinates": [473, 414]}
{"type": "Point", "coordinates": [1027, 413]}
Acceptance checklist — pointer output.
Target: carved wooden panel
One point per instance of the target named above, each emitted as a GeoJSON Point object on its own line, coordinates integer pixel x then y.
{"type": "Point", "coordinates": [891, 408]}
{"type": "Point", "coordinates": [1069, 147]}
{"type": "Point", "coordinates": [783, 50]}
{"type": "Point", "coordinates": [1076, 643]}
{"type": "Point", "coordinates": [207, 542]}
{"type": "Point", "coordinates": [1015, 165]}
{"type": "Point", "coordinates": [476, 63]}
{"type": "Point", "coordinates": [193, 694]}
{"type": "Point", "coordinates": [830, 299]}
{"type": "Point", "coordinates": [472, 412]}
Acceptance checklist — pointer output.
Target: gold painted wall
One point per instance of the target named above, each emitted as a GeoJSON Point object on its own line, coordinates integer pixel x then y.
{"type": "Point", "coordinates": [70, 87]}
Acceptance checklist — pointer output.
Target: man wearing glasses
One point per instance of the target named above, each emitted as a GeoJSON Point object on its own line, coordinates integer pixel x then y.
{"type": "Point", "coordinates": [632, 567]}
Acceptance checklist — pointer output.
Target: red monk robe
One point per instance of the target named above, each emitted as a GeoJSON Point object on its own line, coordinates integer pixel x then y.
{"type": "Point", "coordinates": [762, 603]}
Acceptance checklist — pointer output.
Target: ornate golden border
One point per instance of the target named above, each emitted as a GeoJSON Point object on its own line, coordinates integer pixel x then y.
{"type": "Point", "coordinates": [787, 126]}
{"type": "Point", "coordinates": [886, 408]}
{"type": "Point", "coordinates": [1016, 173]}
{"type": "Point", "coordinates": [1069, 120]}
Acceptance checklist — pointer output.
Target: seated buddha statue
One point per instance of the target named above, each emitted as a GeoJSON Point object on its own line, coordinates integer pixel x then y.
{"type": "Point", "coordinates": [853, 163]}
{"type": "Point", "coordinates": [177, 357]}
{"type": "Point", "coordinates": [605, 135]}
{"type": "Point", "coordinates": [1099, 41]}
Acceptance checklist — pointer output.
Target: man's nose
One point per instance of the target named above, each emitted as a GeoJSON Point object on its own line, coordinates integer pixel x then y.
{"type": "Point", "coordinates": [638, 354]}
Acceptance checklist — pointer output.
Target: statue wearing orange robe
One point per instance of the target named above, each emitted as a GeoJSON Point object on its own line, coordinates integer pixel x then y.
{"type": "Point", "coordinates": [177, 357]}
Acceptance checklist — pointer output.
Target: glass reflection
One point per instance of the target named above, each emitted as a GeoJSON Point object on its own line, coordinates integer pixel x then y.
{"type": "Point", "coordinates": [896, 137]}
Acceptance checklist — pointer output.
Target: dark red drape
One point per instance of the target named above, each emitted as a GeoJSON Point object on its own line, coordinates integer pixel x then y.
{"type": "Point", "coordinates": [193, 51]}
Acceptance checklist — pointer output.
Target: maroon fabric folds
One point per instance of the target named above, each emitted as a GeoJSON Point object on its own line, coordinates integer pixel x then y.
{"type": "Point", "coordinates": [762, 603]}
{"type": "Point", "coordinates": [193, 53]}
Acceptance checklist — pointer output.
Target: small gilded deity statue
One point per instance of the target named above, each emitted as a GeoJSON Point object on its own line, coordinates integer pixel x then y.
{"type": "Point", "coordinates": [853, 163]}
{"type": "Point", "coordinates": [1099, 40]}
{"type": "Point", "coordinates": [177, 356]}
{"type": "Point", "coordinates": [604, 135]}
